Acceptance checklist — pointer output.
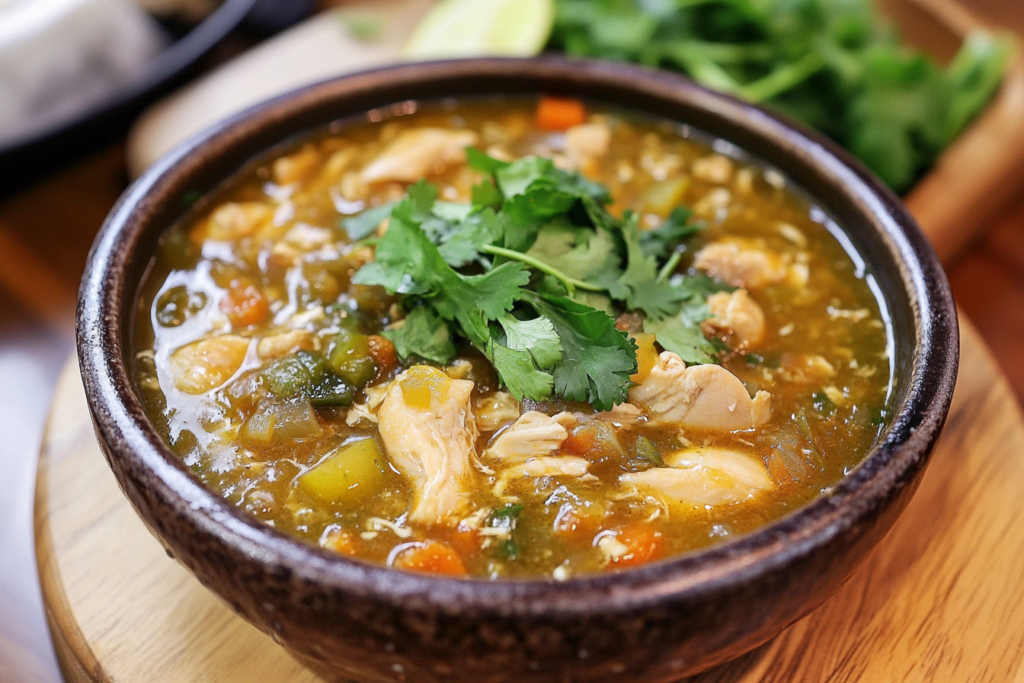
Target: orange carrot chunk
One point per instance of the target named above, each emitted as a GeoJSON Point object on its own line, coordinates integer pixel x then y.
{"type": "Point", "coordinates": [384, 355]}
{"type": "Point", "coordinates": [557, 114]}
{"type": "Point", "coordinates": [431, 557]}
{"type": "Point", "coordinates": [245, 304]}
{"type": "Point", "coordinates": [643, 545]}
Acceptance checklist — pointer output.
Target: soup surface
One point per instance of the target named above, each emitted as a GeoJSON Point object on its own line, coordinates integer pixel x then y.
{"type": "Point", "coordinates": [511, 338]}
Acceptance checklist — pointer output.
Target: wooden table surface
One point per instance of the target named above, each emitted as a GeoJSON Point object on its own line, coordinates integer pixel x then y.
{"type": "Point", "coordinates": [939, 599]}
{"type": "Point", "coordinates": [45, 233]}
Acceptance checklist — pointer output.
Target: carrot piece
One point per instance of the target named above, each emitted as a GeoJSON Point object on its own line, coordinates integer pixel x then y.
{"type": "Point", "coordinates": [464, 540]}
{"type": "Point", "coordinates": [581, 441]}
{"type": "Point", "coordinates": [431, 557]}
{"type": "Point", "coordinates": [341, 542]}
{"type": "Point", "coordinates": [643, 543]}
{"type": "Point", "coordinates": [383, 351]}
{"type": "Point", "coordinates": [557, 114]}
{"type": "Point", "coordinates": [245, 304]}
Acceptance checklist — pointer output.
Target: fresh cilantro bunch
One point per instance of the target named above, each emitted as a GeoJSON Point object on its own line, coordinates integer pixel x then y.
{"type": "Point", "coordinates": [830, 64]}
{"type": "Point", "coordinates": [532, 273]}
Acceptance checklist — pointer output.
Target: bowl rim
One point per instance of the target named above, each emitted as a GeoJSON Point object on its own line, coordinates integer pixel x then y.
{"type": "Point", "coordinates": [132, 444]}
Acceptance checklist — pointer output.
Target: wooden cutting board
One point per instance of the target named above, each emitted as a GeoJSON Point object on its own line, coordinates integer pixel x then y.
{"type": "Point", "coordinates": [940, 599]}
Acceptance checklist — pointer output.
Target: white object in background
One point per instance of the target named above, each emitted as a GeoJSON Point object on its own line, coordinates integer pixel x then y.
{"type": "Point", "coordinates": [60, 57]}
{"type": "Point", "coordinates": [319, 48]}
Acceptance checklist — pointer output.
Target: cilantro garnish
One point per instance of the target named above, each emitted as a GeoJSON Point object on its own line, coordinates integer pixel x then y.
{"type": "Point", "coordinates": [532, 272]}
{"type": "Point", "coordinates": [833, 65]}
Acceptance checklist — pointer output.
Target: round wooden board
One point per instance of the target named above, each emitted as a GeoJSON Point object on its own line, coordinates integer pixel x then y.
{"type": "Point", "coordinates": [940, 599]}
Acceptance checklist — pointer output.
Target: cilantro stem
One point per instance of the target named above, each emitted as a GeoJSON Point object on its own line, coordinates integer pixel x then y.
{"type": "Point", "coordinates": [669, 266]}
{"type": "Point", "coordinates": [571, 283]}
{"type": "Point", "coordinates": [782, 79]}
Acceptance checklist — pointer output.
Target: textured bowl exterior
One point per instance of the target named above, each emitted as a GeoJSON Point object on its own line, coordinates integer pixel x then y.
{"type": "Point", "coordinates": [654, 623]}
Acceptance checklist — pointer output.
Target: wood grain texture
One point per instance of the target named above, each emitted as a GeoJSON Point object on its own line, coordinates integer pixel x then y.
{"type": "Point", "coordinates": [940, 599]}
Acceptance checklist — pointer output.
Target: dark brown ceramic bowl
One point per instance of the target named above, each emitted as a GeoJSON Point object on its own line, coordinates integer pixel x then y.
{"type": "Point", "coordinates": [653, 623]}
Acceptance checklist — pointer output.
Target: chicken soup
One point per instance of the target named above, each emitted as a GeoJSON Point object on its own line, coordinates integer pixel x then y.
{"type": "Point", "coordinates": [512, 338]}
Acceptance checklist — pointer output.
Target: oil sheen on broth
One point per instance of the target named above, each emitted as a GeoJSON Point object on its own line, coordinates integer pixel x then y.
{"type": "Point", "coordinates": [270, 373]}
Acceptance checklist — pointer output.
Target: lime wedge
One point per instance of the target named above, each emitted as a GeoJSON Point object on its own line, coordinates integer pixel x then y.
{"type": "Point", "coordinates": [473, 28]}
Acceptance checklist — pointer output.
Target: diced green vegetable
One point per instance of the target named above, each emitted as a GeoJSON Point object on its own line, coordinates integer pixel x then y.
{"type": "Point", "coordinates": [307, 374]}
{"type": "Point", "coordinates": [823, 404]}
{"type": "Point", "coordinates": [177, 305]}
{"type": "Point", "coordinates": [348, 476]}
{"type": "Point", "coordinates": [350, 358]}
{"type": "Point", "coordinates": [645, 448]}
{"type": "Point", "coordinates": [276, 422]}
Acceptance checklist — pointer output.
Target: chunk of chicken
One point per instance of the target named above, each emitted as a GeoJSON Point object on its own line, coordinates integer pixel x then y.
{"type": "Point", "coordinates": [704, 476]}
{"type": "Point", "coordinates": [234, 220]}
{"type": "Point", "coordinates": [623, 415]}
{"type": "Point", "coordinates": [805, 368]}
{"type": "Point", "coordinates": [533, 435]}
{"type": "Point", "coordinates": [737, 316]}
{"type": "Point", "coordinates": [280, 345]}
{"type": "Point", "coordinates": [714, 168]}
{"type": "Point", "coordinates": [549, 466]}
{"type": "Point", "coordinates": [743, 263]}
{"type": "Point", "coordinates": [427, 426]}
{"type": "Point", "coordinates": [208, 363]}
{"type": "Point", "coordinates": [416, 153]}
{"type": "Point", "coordinates": [495, 411]}
{"type": "Point", "coordinates": [366, 413]}
{"type": "Point", "coordinates": [698, 397]}
{"type": "Point", "coordinates": [587, 143]}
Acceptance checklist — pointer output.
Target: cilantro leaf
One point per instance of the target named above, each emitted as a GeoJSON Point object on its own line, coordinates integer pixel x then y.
{"type": "Point", "coordinates": [659, 241]}
{"type": "Point", "coordinates": [408, 262]}
{"type": "Point", "coordinates": [597, 359]}
{"type": "Point", "coordinates": [423, 334]}
{"type": "Point", "coordinates": [363, 224]}
{"type": "Point", "coordinates": [580, 253]}
{"type": "Point", "coordinates": [537, 336]}
{"type": "Point", "coordinates": [682, 333]}
{"type": "Point", "coordinates": [486, 193]}
{"type": "Point", "coordinates": [639, 285]}
{"type": "Point", "coordinates": [518, 372]}
{"type": "Point", "coordinates": [462, 245]}
{"type": "Point", "coordinates": [483, 162]}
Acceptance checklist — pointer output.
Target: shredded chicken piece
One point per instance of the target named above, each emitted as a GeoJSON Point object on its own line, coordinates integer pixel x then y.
{"type": "Point", "coordinates": [805, 368]}
{"type": "Point", "coordinates": [495, 411]}
{"type": "Point", "coordinates": [624, 415]}
{"type": "Point", "coordinates": [280, 345]}
{"type": "Point", "coordinates": [548, 466]}
{"type": "Point", "coordinates": [532, 436]}
{"type": "Point", "coordinates": [701, 397]}
{"type": "Point", "coordinates": [208, 363]}
{"type": "Point", "coordinates": [736, 315]}
{"type": "Point", "coordinates": [703, 476]}
{"type": "Point", "coordinates": [366, 413]}
{"type": "Point", "coordinates": [432, 446]}
{"type": "Point", "coordinates": [743, 263]}
{"type": "Point", "coordinates": [415, 153]}
{"type": "Point", "coordinates": [587, 143]}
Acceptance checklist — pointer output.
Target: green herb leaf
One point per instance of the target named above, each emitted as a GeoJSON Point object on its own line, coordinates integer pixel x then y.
{"type": "Point", "coordinates": [536, 336]}
{"type": "Point", "coordinates": [659, 241]}
{"type": "Point", "coordinates": [518, 372]}
{"type": "Point", "coordinates": [597, 359]}
{"type": "Point", "coordinates": [423, 334]}
{"type": "Point", "coordinates": [682, 334]}
{"type": "Point", "coordinates": [363, 224]}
